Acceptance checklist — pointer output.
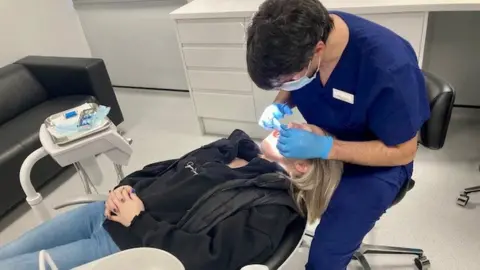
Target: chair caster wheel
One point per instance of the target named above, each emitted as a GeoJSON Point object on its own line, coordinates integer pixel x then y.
{"type": "Point", "coordinates": [422, 263]}
{"type": "Point", "coordinates": [462, 200]}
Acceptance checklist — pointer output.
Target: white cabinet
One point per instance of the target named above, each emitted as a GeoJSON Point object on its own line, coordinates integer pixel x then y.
{"type": "Point", "coordinates": [214, 59]}
{"type": "Point", "coordinates": [225, 106]}
{"type": "Point", "coordinates": [227, 31]}
{"type": "Point", "coordinates": [211, 57]}
{"type": "Point", "coordinates": [220, 80]}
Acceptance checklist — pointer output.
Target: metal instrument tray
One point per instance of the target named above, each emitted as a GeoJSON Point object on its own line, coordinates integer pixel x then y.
{"type": "Point", "coordinates": [61, 139]}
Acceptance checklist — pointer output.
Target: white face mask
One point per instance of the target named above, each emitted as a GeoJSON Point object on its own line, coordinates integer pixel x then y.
{"type": "Point", "coordinates": [300, 82]}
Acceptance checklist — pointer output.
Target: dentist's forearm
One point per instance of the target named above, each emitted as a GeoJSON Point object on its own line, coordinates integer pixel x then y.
{"type": "Point", "coordinates": [373, 153]}
{"type": "Point", "coordinates": [283, 97]}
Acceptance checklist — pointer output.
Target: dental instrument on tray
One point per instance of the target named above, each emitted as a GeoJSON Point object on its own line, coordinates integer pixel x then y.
{"type": "Point", "coordinates": [76, 123]}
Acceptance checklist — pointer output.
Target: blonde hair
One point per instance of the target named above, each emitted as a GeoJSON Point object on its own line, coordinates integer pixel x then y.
{"type": "Point", "coordinates": [313, 190]}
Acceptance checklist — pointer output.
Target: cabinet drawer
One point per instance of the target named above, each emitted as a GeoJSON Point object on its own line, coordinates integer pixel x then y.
{"type": "Point", "coordinates": [225, 127]}
{"type": "Point", "coordinates": [225, 106]}
{"type": "Point", "coordinates": [410, 26]}
{"type": "Point", "coordinates": [220, 80]}
{"type": "Point", "coordinates": [221, 31]}
{"type": "Point", "coordinates": [215, 57]}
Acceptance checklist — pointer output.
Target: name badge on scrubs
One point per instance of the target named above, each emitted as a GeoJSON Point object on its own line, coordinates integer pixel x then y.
{"type": "Point", "coordinates": [343, 96]}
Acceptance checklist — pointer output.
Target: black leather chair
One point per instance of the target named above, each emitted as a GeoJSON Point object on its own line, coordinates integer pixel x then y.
{"type": "Point", "coordinates": [32, 89]}
{"type": "Point", "coordinates": [432, 136]}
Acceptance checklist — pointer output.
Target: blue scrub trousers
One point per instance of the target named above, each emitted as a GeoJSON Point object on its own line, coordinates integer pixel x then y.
{"type": "Point", "coordinates": [71, 239]}
{"type": "Point", "coordinates": [356, 205]}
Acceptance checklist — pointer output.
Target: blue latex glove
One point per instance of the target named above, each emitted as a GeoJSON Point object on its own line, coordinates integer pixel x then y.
{"type": "Point", "coordinates": [272, 114]}
{"type": "Point", "coordinates": [302, 144]}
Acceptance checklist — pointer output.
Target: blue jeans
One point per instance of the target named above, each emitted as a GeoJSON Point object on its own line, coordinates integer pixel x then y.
{"type": "Point", "coordinates": [72, 239]}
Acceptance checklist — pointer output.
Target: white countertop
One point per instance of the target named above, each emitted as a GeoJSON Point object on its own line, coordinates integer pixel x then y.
{"type": "Point", "coordinates": [245, 8]}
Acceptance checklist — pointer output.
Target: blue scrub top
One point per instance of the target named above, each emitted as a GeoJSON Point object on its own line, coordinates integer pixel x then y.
{"type": "Point", "coordinates": [379, 71]}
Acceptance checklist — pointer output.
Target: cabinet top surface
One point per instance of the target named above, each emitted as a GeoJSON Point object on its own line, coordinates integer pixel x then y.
{"type": "Point", "coordinates": [245, 8]}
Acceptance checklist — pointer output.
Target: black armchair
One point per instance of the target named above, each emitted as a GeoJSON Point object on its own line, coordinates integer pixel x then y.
{"type": "Point", "coordinates": [32, 89]}
{"type": "Point", "coordinates": [61, 76]}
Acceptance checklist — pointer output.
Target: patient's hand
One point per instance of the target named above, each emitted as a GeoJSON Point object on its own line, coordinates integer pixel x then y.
{"type": "Point", "coordinates": [110, 206]}
{"type": "Point", "coordinates": [131, 207]}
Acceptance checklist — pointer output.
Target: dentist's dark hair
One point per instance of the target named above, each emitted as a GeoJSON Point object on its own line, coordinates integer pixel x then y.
{"type": "Point", "coordinates": [282, 36]}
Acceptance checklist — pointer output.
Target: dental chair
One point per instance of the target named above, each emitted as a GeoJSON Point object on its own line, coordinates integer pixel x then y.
{"type": "Point", "coordinates": [158, 259]}
{"type": "Point", "coordinates": [150, 258]}
{"type": "Point", "coordinates": [290, 242]}
{"type": "Point", "coordinates": [432, 136]}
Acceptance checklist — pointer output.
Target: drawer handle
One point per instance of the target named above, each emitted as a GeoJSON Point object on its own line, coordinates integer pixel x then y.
{"type": "Point", "coordinates": [244, 33]}
{"type": "Point", "coordinates": [245, 28]}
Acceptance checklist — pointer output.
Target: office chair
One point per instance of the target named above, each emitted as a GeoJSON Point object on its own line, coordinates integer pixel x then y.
{"type": "Point", "coordinates": [462, 200]}
{"type": "Point", "coordinates": [432, 136]}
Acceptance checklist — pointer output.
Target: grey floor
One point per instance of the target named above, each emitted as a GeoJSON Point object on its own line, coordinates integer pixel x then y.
{"type": "Point", "coordinates": [163, 126]}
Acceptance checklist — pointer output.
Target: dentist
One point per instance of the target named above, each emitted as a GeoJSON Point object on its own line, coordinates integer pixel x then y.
{"type": "Point", "coordinates": [356, 80]}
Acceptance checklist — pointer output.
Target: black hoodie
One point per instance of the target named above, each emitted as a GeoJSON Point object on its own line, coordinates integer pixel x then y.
{"type": "Point", "coordinates": [169, 189]}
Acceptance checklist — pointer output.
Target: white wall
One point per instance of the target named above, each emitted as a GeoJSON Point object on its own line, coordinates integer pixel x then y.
{"type": "Point", "coordinates": [40, 27]}
{"type": "Point", "coordinates": [136, 39]}
{"type": "Point", "coordinates": [452, 52]}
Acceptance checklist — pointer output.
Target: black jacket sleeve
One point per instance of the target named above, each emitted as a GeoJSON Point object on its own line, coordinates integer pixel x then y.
{"type": "Point", "coordinates": [147, 175]}
{"type": "Point", "coordinates": [249, 236]}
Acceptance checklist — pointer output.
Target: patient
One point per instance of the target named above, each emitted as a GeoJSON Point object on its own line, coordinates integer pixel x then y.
{"type": "Point", "coordinates": [313, 181]}
{"type": "Point", "coordinates": [222, 206]}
